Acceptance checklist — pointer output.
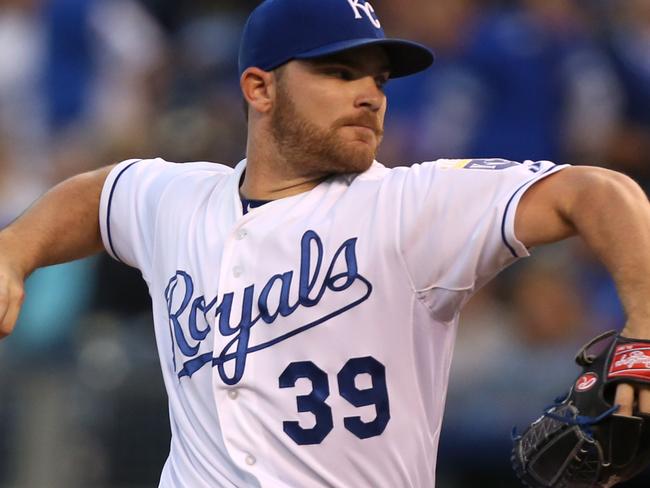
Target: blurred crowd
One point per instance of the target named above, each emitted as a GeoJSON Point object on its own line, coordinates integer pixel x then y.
{"type": "Point", "coordinates": [84, 83]}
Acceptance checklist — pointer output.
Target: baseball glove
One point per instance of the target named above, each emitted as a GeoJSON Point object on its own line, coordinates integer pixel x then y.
{"type": "Point", "coordinates": [580, 441]}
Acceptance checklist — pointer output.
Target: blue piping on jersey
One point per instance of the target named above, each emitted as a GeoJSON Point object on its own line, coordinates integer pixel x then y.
{"type": "Point", "coordinates": [505, 213]}
{"type": "Point", "coordinates": [108, 211]}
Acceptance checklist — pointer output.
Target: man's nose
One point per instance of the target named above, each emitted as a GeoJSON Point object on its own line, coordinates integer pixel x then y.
{"type": "Point", "coordinates": [370, 96]}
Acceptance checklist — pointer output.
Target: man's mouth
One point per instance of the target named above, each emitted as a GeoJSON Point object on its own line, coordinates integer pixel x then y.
{"type": "Point", "coordinates": [366, 128]}
{"type": "Point", "coordinates": [363, 127]}
{"type": "Point", "coordinates": [364, 122]}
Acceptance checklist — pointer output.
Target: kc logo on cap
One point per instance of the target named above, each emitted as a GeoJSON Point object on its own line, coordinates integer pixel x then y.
{"type": "Point", "coordinates": [367, 9]}
{"type": "Point", "coordinates": [279, 31]}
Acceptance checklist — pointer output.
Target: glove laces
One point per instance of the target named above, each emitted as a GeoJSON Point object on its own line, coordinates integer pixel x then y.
{"type": "Point", "coordinates": [582, 421]}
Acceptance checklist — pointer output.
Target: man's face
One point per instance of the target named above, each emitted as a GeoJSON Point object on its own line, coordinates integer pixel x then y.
{"type": "Point", "coordinates": [328, 115]}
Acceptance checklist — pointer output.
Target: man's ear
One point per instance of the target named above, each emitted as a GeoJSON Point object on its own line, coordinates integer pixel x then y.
{"type": "Point", "coordinates": [258, 89]}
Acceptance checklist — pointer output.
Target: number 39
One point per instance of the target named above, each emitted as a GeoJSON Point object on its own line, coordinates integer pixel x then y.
{"type": "Point", "coordinates": [376, 395]}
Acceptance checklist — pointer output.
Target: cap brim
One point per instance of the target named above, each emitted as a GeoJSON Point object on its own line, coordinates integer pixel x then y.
{"type": "Point", "coordinates": [405, 57]}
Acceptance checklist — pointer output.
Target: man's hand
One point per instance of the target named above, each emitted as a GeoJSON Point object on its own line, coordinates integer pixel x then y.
{"type": "Point", "coordinates": [14, 270]}
{"type": "Point", "coordinates": [12, 294]}
{"type": "Point", "coordinates": [633, 400]}
{"type": "Point", "coordinates": [626, 396]}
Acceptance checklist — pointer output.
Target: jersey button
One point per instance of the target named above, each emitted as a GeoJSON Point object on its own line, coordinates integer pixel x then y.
{"type": "Point", "coordinates": [250, 460]}
{"type": "Point", "coordinates": [241, 234]}
{"type": "Point", "coordinates": [237, 271]}
{"type": "Point", "coordinates": [233, 394]}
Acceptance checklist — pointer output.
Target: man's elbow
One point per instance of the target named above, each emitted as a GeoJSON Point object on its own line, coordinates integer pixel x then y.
{"type": "Point", "coordinates": [590, 185]}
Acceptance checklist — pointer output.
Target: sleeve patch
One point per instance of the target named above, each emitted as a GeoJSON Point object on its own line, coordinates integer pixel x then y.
{"type": "Point", "coordinates": [489, 164]}
{"type": "Point", "coordinates": [494, 164]}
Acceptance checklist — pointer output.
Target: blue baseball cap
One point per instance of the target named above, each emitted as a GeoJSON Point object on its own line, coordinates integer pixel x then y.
{"type": "Point", "coordinates": [278, 31]}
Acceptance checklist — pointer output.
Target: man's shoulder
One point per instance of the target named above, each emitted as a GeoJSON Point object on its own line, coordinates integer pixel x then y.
{"type": "Point", "coordinates": [484, 164]}
{"type": "Point", "coordinates": [191, 166]}
{"type": "Point", "coordinates": [379, 170]}
{"type": "Point", "coordinates": [168, 170]}
{"type": "Point", "coordinates": [160, 177]}
{"type": "Point", "coordinates": [445, 170]}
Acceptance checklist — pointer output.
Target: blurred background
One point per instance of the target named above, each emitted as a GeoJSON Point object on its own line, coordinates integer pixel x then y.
{"type": "Point", "coordinates": [84, 83]}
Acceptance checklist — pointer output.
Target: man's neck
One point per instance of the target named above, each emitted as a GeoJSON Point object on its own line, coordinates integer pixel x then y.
{"type": "Point", "coordinates": [270, 178]}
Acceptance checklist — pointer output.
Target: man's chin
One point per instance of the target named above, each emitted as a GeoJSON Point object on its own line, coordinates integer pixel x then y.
{"type": "Point", "coordinates": [357, 158]}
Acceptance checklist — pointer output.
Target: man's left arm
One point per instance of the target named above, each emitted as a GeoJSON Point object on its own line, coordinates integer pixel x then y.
{"type": "Point", "coordinates": [612, 214]}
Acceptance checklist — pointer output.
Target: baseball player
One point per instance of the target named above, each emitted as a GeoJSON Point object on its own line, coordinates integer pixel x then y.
{"type": "Point", "coordinates": [306, 302]}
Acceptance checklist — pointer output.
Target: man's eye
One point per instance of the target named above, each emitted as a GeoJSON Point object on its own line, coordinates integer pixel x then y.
{"type": "Point", "coordinates": [341, 74]}
{"type": "Point", "coordinates": [381, 81]}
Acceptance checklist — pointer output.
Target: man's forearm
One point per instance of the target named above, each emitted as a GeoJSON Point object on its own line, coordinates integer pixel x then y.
{"type": "Point", "coordinates": [61, 226]}
{"type": "Point", "coordinates": [612, 214]}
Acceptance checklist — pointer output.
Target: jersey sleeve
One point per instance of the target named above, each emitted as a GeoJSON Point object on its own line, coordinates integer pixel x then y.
{"type": "Point", "coordinates": [129, 206]}
{"type": "Point", "coordinates": [457, 222]}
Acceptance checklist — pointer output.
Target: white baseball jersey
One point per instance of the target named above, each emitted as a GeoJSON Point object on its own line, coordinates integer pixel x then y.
{"type": "Point", "coordinates": [307, 343]}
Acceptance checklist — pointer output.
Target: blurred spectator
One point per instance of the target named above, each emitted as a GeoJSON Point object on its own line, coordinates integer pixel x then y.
{"type": "Point", "coordinates": [19, 186]}
{"type": "Point", "coordinates": [629, 44]}
{"type": "Point", "coordinates": [432, 114]}
{"type": "Point", "coordinates": [102, 57]}
{"type": "Point", "coordinates": [522, 83]}
{"type": "Point", "coordinates": [21, 60]}
{"type": "Point", "coordinates": [69, 62]}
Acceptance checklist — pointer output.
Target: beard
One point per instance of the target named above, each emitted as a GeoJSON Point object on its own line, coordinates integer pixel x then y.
{"type": "Point", "coordinates": [317, 151]}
